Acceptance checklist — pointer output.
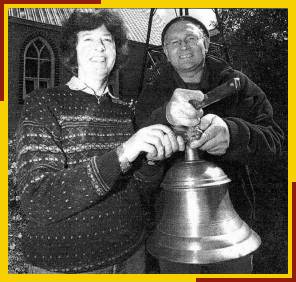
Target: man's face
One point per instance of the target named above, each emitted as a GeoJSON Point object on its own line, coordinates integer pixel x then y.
{"type": "Point", "coordinates": [185, 46]}
{"type": "Point", "coordinates": [95, 51]}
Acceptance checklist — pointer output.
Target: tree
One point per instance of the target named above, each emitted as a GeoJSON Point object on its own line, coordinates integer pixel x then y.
{"type": "Point", "coordinates": [258, 46]}
{"type": "Point", "coordinates": [257, 43]}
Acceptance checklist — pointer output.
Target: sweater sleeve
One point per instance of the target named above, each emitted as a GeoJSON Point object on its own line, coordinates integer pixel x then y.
{"type": "Point", "coordinates": [52, 190]}
{"type": "Point", "coordinates": [149, 177]}
{"type": "Point", "coordinates": [147, 180]}
{"type": "Point", "coordinates": [254, 135]}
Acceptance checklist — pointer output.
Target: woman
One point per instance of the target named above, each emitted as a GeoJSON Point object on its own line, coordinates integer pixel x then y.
{"type": "Point", "coordinates": [79, 161]}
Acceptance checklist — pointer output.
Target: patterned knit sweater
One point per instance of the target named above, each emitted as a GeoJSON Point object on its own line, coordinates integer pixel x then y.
{"type": "Point", "coordinates": [83, 214]}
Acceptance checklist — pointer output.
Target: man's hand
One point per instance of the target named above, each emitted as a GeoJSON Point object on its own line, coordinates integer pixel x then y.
{"type": "Point", "coordinates": [180, 112]}
{"type": "Point", "coordinates": [215, 138]}
{"type": "Point", "coordinates": [158, 141]}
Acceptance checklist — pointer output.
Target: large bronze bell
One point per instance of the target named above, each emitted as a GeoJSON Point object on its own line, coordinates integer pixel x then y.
{"type": "Point", "coordinates": [198, 224]}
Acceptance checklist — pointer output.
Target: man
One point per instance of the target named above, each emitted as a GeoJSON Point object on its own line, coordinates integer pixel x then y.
{"type": "Point", "coordinates": [237, 131]}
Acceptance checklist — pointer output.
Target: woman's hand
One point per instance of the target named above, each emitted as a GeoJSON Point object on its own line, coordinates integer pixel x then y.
{"type": "Point", "coordinates": [158, 141]}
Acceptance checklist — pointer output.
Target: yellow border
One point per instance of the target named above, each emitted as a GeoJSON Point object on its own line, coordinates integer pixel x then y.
{"type": "Point", "coordinates": [166, 4]}
{"type": "Point", "coordinates": [4, 141]}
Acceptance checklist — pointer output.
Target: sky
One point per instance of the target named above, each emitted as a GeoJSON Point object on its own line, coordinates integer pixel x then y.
{"type": "Point", "coordinates": [206, 16]}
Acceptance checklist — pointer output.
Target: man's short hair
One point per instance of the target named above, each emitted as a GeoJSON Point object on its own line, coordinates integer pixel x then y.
{"type": "Point", "coordinates": [182, 19]}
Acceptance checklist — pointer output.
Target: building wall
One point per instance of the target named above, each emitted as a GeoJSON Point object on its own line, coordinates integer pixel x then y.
{"type": "Point", "coordinates": [19, 31]}
{"type": "Point", "coordinates": [18, 34]}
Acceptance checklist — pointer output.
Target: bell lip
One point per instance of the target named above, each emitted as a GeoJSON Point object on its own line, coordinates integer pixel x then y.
{"type": "Point", "coordinates": [193, 184]}
{"type": "Point", "coordinates": [247, 247]}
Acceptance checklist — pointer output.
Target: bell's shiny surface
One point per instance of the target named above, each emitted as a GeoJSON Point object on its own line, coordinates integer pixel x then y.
{"type": "Point", "coordinates": [198, 224]}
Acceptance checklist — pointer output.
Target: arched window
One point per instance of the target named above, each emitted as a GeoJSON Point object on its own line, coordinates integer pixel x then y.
{"type": "Point", "coordinates": [38, 66]}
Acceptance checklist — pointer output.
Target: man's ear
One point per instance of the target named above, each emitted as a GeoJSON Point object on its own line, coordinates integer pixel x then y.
{"type": "Point", "coordinates": [206, 43]}
{"type": "Point", "coordinates": [166, 52]}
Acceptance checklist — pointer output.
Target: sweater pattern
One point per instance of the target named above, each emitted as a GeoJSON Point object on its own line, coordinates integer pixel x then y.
{"type": "Point", "coordinates": [82, 214]}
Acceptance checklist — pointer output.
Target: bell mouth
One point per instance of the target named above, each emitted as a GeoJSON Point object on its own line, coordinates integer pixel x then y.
{"type": "Point", "coordinates": [204, 250]}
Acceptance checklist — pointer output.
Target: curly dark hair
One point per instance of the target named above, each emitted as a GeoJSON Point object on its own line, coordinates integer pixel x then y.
{"type": "Point", "coordinates": [80, 21]}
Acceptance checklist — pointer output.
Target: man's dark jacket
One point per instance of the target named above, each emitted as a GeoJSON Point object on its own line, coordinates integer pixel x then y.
{"type": "Point", "coordinates": [254, 136]}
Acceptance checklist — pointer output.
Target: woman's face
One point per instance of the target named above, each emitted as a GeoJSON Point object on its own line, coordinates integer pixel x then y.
{"type": "Point", "coordinates": [96, 52]}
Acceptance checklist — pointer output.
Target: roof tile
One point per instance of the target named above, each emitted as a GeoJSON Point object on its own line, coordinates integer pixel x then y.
{"type": "Point", "coordinates": [136, 20]}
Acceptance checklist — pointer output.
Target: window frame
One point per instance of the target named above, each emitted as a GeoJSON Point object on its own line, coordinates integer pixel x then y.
{"type": "Point", "coordinates": [36, 80]}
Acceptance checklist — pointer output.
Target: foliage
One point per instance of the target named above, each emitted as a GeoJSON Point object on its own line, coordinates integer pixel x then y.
{"type": "Point", "coordinates": [16, 220]}
{"type": "Point", "coordinates": [16, 225]}
{"type": "Point", "coordinates": [12, 196]}
{"type": "Point", "coordinates": [257, 41]}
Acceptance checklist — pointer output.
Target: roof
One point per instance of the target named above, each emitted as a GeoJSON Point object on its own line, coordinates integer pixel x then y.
{"type": "Point", "coordinates": [136, 20]}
